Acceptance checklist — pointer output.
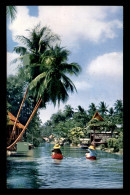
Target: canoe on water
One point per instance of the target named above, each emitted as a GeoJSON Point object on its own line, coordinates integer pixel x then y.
{"type": "Point", "coordinates": [91, 158]}
{"type": "Point", "coordinates": [57, 156]}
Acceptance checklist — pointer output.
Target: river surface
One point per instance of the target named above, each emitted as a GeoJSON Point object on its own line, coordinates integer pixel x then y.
{"type": "Point", "coordinates": [40, 171]}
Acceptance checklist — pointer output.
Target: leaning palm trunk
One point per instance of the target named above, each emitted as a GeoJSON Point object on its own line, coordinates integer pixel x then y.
{"type": "Point", "coordinates": [14, 127]}
{"type": "Point", "coordinates": [25, 127]}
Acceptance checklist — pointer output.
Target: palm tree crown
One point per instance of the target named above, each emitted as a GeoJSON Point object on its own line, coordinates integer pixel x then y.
{"type": "Point", "coordinates": [103, 108]}
{"type": "Point", "coordinates": [53, 83]}
{"type": "Point", "coordinates": [118, 106]}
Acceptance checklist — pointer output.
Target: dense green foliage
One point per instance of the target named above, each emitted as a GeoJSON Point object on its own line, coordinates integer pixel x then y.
{"type": "Point", "coordinates": [116, 143]}
{"type": "Point", "coordinates": [71, 123]}
{"type": "Point", "coordinates": [15, 91]}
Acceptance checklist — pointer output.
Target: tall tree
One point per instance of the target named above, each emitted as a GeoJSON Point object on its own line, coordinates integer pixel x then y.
{"type": "Point", "coordinates": [118, 106]}
{"type": "Point", "coordinates": [68, 111]}
{"type": "Point", "coordinates": [35, 46]}
{"type": "Point", "coordinates": [111, 111]}
{"type": "Point", "coordinates": [103, 108]}
{"type": "Point", "coordinates": [52, 83]}
{"type": "Point", "coordinates": [91, 111]}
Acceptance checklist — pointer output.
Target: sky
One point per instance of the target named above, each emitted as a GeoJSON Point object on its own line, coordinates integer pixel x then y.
{"type": "Point", "coordinates": [94, 37]}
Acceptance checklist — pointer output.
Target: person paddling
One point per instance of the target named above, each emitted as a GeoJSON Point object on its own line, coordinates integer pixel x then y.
{"type": "Point", "coordinates": [56, 152]}
{"type": "Point", "coordinates": [92, 153]}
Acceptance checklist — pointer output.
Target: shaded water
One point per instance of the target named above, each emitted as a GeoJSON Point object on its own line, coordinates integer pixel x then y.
{"type": "Point", "coordinates": [40, 171]}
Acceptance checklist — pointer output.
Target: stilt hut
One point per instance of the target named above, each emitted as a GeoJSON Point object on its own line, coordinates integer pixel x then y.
{"type": "Point", "coordinates": [95, 127]}
{"type": "Point", "coordinates": [19, 128]}
{"type": "Point", "coordinates": [95, 124]}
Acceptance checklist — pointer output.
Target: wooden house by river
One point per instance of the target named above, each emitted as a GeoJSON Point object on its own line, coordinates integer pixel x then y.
{"type": "Point", "coordinates": [99, 137]}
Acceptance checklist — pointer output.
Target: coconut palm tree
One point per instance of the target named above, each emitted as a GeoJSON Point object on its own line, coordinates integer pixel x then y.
{"type": "Point", "coordinates": [111, 111]}
{"type": "Point", "coordinates": [52, 83]}
{"type": "Point", "coordinates": [118, 106]}
{"type": "Point", "coordinates": [92, 109]}
{"type": "Point", "coordinates": [38, 41]}
{"type": "Point", "coordinates": [11, 12]}
{"type": "Point", "coordinates": [68, 111]}
{"type": "Point", "coordinates": [103, 108]}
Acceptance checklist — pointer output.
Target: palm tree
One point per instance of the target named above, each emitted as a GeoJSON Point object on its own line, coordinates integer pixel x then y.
{"type": "Point", "coordinates": [103, 108]}
{"type": "Point", "coordinates": [36, 44]}
{"type": "Point", "coordinates": [68, 111]}
{"type": "Point", "coordinates": [118, 107]}
{"type": "Point", "coordinates": [81, 110]}
{"type": "Point", "coordinates": [92, 109]}
{"type": "Point", "coordinates": [51, 83]}
{"type": "Point", "coordinates": [11, 12]}
{"type": "Point", "coordinates": [111, 111]}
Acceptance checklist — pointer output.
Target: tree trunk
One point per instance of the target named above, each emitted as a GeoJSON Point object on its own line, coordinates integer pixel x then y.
{"type": "Point", "coordinates": [14, 127]}
{"type": "Point", "coordinates": [25, 127]}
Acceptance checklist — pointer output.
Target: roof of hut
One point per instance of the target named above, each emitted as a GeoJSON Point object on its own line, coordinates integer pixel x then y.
{"type": "Point", "coordinates": [97, 116]}
{"type": "Point", "coordinates": [12, 121]}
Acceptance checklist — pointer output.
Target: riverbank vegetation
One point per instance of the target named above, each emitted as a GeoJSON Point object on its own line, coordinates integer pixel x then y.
{"type": "Point", "coordinates": [71, 124]}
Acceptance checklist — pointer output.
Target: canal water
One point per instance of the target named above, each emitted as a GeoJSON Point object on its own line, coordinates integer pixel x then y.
{"type": "Point", "coordinates": [39, 171]}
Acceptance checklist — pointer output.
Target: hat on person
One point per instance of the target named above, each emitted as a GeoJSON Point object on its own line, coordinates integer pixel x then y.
{"type": "Point", "coordinates": [56, 146]}
{"type": "Point", "coordinates": [91, 147]}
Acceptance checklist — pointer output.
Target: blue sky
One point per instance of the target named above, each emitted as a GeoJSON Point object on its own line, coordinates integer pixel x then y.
{"type": "Point", "coordinates": [94, 36]}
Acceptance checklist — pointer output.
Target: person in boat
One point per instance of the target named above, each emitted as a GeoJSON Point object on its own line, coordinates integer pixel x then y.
{"type": "Point", "coordinates": [56, 149]}
{"type": "Point", "coordinates": [91, 152]}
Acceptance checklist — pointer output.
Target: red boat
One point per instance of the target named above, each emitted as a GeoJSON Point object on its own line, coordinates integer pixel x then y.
{"type": "Point", "coordinates": [57, 156]}
{"type": "Point", "coordinates": [91, 158]}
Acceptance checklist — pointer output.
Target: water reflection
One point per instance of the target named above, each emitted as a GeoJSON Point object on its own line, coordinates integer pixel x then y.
{"type": "Point", "coordinates": [57, 161]}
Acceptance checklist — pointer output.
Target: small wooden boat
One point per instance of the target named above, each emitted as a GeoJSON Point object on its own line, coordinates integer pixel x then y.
{"type": "Point", "coordinates": [57, 156]}
{"type": "Point", "coordinates": [91, 157]}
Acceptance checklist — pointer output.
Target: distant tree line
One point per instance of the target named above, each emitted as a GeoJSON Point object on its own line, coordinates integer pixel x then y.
{"type": "Point", "coordinates": [62, 122]}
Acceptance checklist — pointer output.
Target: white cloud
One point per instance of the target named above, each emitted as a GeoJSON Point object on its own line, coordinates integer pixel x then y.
{"type": "Point", "coordinates": [107, 65]}
{"type": "Point", "coordinates": [22, 22]}
{"type": "Point", "coordinates": [70, 22]}
{"type": "Point", "coordinates": [11, 68]}
{"type": "Point", "coordinates": [82, 85]}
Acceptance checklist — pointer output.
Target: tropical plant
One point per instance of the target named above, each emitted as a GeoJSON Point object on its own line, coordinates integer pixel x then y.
{"type": "Point", "coordinates": [118, 107]}
{"type": "Point", "coordinates": [103, 108]}
{"type": "Point", "coordinates": [11, 12]}
{"type": "Point", "coordinates": [111, 111]}
{"type": "Point", "coordinates": [51, 83]}
{"type": "Point", "coordinates": [68, 111]}
{"type": "Point", "coordinates": [75, 134]}
{"type": "Point", "coordinates": [91, 111]}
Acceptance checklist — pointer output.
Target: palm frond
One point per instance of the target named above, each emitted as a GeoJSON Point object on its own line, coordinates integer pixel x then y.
{"type": "Point", "coordinates": [69, 85]}
{"type": "Point", "coordinates": [24, 40]}
{"type": "Point", "coordinates": [20, 50]}
{"type": "Point", "coordinates": [16, 60]}
{"type": "Point", "coordinates": [72, 68]}
{"type": "Point", "coordinates": [11, 12]}
{"type": "Point", "coordinates": [35, 81]}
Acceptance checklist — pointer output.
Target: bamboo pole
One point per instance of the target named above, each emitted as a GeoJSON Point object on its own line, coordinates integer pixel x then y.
{"type": "Point", "coordinates": [25, 127]}
{"type": "Point", "coordinates": [14, 127]}
{"type": "Point", "coordinates": [94, 135]}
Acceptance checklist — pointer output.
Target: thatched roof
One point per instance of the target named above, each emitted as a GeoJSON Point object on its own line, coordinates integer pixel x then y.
{"type": "Point", "coordinates": [12, 121]}
{"type": "Point", "coordinates": [97, 121]}
{"type": "Point", "coordinates": [97, 116]}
